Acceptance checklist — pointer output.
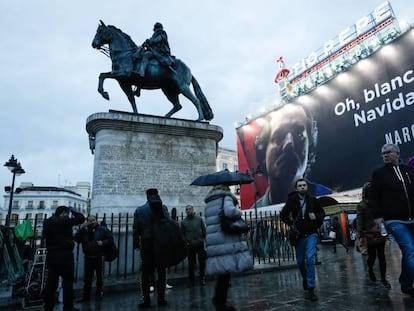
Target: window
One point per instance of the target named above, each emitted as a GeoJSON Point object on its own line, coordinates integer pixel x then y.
{"type": "Point", "coordinates": [55, 203]}
{"type": "Point", "coordinates": [15, 204]}
{"type": "Point", "coordinates": [224, 165]}
{"type": "Point", "coordinates": [235, 168]}
{"type": "Point", "coordinates": [30, 204]}
{"type": "Point", "coordinates": [14, 218]}
{"type": "Point", "coordinates": [41, 204]}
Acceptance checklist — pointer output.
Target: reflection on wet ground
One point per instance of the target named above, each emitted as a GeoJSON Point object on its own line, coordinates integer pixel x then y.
{"type": "Point", "coordinates": [342, 284]}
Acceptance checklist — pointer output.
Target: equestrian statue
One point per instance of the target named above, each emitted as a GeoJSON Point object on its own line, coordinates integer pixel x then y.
{"type": "Point", "coordinates": [149, 66]}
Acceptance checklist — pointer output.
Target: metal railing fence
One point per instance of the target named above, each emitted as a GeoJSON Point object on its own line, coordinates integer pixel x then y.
{"type": "Point", "coordinates": [267, 241]}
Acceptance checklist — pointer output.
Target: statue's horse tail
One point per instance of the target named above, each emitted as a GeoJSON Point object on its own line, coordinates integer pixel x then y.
{"type": "Point", "coordinates": [205, 107]}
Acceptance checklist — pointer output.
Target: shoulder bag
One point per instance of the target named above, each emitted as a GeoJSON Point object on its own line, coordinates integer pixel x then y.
{"type": "Point", "coordinates": [293, 233]}
{"type": "Point", "coordinates": [234, 226]}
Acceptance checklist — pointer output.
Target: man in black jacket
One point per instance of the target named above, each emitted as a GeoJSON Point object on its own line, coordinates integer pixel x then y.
{"type": "Point", "coordinates": [305, 214]}
{"type": "Point", "coordinates": [392, 203]}
{"type": "Point", "coordinates": [57, 232]}
{"type": "Point", "coordinates": [143, 239]}
{"type": "Point", "coordinates": [95, 240]}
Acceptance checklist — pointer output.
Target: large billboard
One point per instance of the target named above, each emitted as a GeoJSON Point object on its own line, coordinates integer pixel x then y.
{"type": "Point", "coordinates": [334, 134]}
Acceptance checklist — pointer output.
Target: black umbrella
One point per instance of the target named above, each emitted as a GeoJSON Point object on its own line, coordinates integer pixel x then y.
{"type": "Point", "coordinates": [224, 177]}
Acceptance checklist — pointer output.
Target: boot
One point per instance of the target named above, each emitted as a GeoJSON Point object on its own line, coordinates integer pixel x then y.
{"type": "Point", "coordinates": [161, 284]}
{"type": "Point", "coordinates": [146, 300]}
{"type": "Point", "coordinates": [85, 298]}
{"type": "Point", "coordinates": [385, 283]}
{"type": "Point", "coordinates": [220, 293]}
{"type": "Point", "coordinates": [371, 274]}
{"type": "Point", "coordinates": [310, 295]}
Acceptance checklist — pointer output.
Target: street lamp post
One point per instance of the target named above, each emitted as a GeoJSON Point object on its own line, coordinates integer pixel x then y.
{"type": "Point", "coordinates": [16, 170]}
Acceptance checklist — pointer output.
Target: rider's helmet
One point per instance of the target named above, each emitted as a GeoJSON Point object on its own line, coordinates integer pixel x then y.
{"type": "Point", "coordinates": [157, 26]}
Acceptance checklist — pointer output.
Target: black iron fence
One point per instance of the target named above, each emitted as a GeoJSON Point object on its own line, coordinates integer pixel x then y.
{"type": "Point", "coordinates": [267, 241]}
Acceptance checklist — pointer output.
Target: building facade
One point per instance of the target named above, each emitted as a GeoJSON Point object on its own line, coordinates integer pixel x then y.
{"type": "Point", "coordinates": [40, 202]}
{"type": "Point", "coordinates": [226, 159]}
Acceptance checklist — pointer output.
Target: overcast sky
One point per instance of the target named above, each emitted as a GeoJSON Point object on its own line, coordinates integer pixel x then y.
{"type": "Point", "coordinates": [50, 71]}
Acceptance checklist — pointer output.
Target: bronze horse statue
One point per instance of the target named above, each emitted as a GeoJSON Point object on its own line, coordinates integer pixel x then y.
{"type": "Point", "coordinates": [125, 63]}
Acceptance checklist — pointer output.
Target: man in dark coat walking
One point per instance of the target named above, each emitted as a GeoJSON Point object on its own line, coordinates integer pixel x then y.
{"type": "Point", "coordinates": [305, 214]}
{"type": "Point", "coordinates": [392, 203]}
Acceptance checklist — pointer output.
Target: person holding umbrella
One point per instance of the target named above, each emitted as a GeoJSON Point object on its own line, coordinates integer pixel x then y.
{"type": "Point", "coordinates": [226, 253]}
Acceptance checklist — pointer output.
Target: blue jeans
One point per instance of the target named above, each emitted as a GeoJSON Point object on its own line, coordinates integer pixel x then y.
{"type": "Point", "coordinates": [305, 258]}
{"type": "Point", "coordinates": [404, 235]}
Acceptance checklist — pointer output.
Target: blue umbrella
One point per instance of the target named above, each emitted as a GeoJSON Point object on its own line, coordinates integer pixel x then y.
{"type": "Point", "coordinates": [224, 177]}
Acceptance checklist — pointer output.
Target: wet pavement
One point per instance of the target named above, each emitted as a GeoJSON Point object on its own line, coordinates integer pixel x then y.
{"type": "Point", "coordinates": [342, 284]}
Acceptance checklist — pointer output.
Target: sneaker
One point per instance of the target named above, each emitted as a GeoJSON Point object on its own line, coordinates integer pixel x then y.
{"type": "Point", "coordinates": [372, 276]}
{"type": "Point", "coordinates": [152, 289]}
{"type": "Point", "coordinates": [386, 284]}
{"type": "Point", "coordinates": [310, 295]}
{"type": "Point", "coordinates": [168, 286]}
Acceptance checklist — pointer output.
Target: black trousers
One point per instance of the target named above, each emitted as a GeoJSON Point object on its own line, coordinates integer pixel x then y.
{"type": "Point", "coordinates": [93, 265]}
{"type": "Point", "coordinates": [147, 270]}
{"type": "Point", "coordinates": [221, 291]}
{"type": "Point", "coordinates": [377, 251]}
{"type": "Point", "coordinates": [200, 253]}
{"type": "Point", "coordinates": [64, 270]}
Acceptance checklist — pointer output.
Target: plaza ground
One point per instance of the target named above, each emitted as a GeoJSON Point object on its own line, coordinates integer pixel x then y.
{"type": "Point", "coordinates": [342, 284]}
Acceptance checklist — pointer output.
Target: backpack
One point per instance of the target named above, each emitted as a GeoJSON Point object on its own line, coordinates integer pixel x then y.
{"type": "Point", "coordinates": [112, 251]}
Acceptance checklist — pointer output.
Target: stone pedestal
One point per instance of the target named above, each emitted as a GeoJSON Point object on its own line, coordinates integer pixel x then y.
{"type": "Point", "coordinates": [135, 152]}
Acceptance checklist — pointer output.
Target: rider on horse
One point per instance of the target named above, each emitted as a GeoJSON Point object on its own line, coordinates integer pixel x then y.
{"type": "Point", "coordinates": [156, 47]}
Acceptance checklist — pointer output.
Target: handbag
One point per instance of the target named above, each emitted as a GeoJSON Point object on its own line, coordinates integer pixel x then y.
{"type": "Point", "coordinates": [374, 238]}
{"type": "Point", "coordinates": [293, 236]}
{"type": "Point", "coordinates": [361, 245]}
{"type": "Point", "coordinates": [233, 226]}
{"type": "Point", "coordinates": [332, 235]}
{"type": "Point", "coordinates": [111, 253]}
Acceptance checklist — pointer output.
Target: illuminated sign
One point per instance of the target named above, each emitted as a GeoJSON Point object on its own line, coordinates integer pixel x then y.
{"type": "Point", "coordinates": [358, 41]}
{"type": "Point", "coordinates": [363, 25]}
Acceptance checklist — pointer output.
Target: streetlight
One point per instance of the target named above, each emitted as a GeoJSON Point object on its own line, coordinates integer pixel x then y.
{"type": "Point", "coordinates": [16, 169]}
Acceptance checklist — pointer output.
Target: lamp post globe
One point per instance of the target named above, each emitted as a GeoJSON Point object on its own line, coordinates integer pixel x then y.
{"type": "Point", "coordinates": [16, 169]}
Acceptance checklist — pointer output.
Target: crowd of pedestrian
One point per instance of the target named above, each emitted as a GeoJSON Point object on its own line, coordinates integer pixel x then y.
{"type": "Point", "coordinates": [387, 205]}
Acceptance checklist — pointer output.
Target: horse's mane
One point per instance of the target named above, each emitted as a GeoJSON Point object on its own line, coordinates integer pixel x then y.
{"type": "Point", "coordinates": [127, 37]}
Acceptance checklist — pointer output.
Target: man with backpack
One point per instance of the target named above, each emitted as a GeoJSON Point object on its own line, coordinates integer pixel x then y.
{"type": "Point", "coordinates": [95, 240]}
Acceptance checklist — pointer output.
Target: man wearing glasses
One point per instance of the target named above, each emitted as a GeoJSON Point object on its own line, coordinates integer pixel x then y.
{"type": "Point", "coordinates": [392, 199]}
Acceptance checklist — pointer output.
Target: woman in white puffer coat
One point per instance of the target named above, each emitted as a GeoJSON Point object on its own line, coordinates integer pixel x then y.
{"type": "Point", "coordinates": [226, 253]}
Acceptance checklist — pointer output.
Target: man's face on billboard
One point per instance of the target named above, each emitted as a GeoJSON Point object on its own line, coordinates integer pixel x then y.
{"type": "Point", "coordinates": [288, 147]}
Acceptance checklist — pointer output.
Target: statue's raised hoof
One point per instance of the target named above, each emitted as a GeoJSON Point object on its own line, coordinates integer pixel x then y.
{"type": "Point", "coordinates": [105, 95]}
